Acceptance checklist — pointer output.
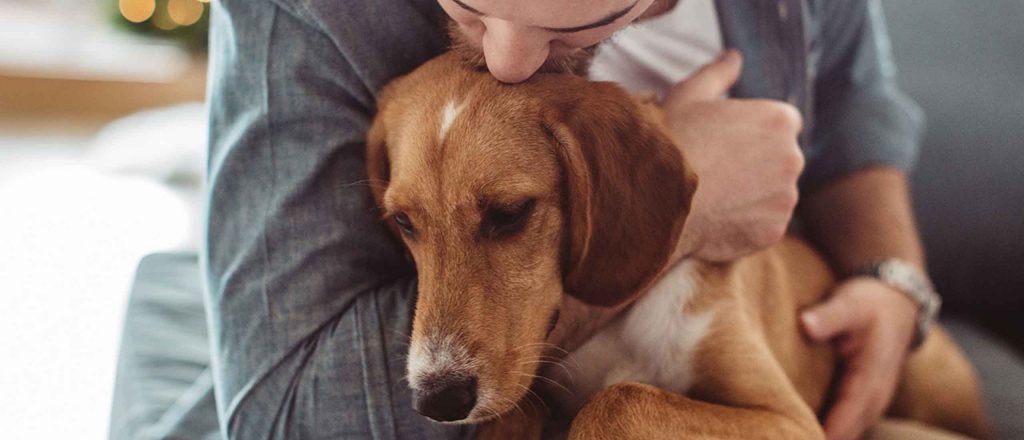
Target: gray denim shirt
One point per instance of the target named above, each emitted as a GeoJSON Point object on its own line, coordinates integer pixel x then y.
{"type": "Point", "coordinates": [310, 300]}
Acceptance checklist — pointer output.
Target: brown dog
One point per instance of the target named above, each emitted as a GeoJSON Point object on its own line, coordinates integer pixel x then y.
{"type": "Point", "coordinates": [510, 196]}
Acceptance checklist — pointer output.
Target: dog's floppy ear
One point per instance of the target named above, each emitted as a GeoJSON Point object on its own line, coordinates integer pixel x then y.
{"type": "Point", "coordinates": [627, 192]}
{"type": "Point", "coordinates": [378, 166]}
{"type": "Point", "coordinates": [378, 163]}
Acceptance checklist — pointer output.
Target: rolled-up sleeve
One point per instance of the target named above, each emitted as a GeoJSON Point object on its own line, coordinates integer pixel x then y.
{"type": "Point", "coordinates": [309, 299]}
{"type": "Point", "coordinates": [861, 117]}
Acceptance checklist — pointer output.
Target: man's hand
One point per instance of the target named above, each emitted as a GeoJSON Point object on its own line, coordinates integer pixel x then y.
{"type": "Point", "coordinates": [746, 157]}
{"type": "Point", "coordinates": [872, 326]}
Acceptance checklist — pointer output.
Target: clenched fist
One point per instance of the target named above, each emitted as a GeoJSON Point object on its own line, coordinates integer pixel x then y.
{"type": "Point", "coordinates": [746, 157]}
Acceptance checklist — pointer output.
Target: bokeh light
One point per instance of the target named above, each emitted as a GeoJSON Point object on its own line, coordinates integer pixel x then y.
{"type": "Point", "coordinates": [136, 11]}
{"type": "Point", "coordinates": [185, 12]}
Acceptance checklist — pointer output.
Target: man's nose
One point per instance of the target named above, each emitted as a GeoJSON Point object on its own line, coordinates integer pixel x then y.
{"type": "Point", "coordinates": [514, 53]}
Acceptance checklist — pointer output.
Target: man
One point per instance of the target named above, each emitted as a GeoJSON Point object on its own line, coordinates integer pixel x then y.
{"type": "Point", "coordinates": [310, 301]}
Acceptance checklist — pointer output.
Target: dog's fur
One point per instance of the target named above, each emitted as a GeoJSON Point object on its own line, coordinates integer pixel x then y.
{"type": "Point", "coordinates": [707, 351]}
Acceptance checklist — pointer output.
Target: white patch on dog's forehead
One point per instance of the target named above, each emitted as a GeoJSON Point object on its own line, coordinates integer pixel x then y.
{"type": "Point", "coordinates": [450, 112]}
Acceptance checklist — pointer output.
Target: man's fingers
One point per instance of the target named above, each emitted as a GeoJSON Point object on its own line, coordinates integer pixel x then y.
{"type": "Point", "coordinates": [864, 393]}
{"type": "Point", "coordinates": [852, 412]}
{"type": "Point", "coordinates": [711, 81]}
{"type": "Point", "coordinates": [870, 354]}
{"type": "Point", "coordinates": [831, 318]}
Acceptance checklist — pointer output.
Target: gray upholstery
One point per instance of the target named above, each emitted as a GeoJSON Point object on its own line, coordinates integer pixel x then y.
{"type": "Point", "coordinates": [964, 63]}
{"type": "Point", "coordinates": [1002, 375]}
{"type": "Point", "coordinates": [164, 388]}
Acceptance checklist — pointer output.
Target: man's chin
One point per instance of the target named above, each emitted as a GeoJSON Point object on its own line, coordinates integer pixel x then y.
{"type": "Point", "coordinates": [576, 62]}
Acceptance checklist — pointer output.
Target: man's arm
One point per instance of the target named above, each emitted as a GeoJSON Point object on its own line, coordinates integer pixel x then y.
{"type": "Point", "coordinates": [865, 217]}
{"type": "Point", "coordinates": [309, 299]}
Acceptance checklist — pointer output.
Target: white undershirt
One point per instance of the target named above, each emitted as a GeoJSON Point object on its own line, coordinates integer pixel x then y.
{"type": "Point", "coordinates": [654, 54]}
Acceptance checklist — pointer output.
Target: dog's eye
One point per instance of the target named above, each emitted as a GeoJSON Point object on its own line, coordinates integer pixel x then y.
{"type": "Point", "coordinates": [404, 224]}
{"type": "Point", "coordinates": [504, 221]}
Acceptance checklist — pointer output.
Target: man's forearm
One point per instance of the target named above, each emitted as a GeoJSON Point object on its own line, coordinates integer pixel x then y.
{"type": "Point", "coordinates": [863, 218]}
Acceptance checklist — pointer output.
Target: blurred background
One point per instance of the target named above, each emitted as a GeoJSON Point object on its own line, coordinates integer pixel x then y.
{"type": "Point", "coordinates": [102, 134]}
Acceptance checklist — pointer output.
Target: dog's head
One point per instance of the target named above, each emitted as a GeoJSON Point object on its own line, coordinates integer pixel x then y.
{"type": "Point", "coordinates": [507, 197]}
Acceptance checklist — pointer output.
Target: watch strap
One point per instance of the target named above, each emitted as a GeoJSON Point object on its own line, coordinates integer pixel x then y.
{"type": "Point", "coordinates": [908, 280]}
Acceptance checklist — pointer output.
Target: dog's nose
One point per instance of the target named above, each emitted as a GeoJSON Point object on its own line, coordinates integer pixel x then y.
{"type": "Point", "coordinates": [448, 400]}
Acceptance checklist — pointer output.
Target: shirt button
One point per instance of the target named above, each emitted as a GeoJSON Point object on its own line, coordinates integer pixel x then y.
{"type": "Point", "coordinates": [783, 10]}
{"type": "Point", "coordinates": [791, 99]}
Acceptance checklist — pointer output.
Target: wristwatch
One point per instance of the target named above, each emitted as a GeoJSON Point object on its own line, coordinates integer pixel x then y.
{"type": "Point", "coordinates": [907, 279]}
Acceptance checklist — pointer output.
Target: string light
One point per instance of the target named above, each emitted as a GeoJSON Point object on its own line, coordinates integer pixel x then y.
{"type": "Point", "coordinates": [136, 11]}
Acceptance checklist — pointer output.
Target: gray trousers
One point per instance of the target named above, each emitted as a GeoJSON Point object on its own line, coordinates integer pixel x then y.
{"type": "Point", "coordinates": [164, 385]}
